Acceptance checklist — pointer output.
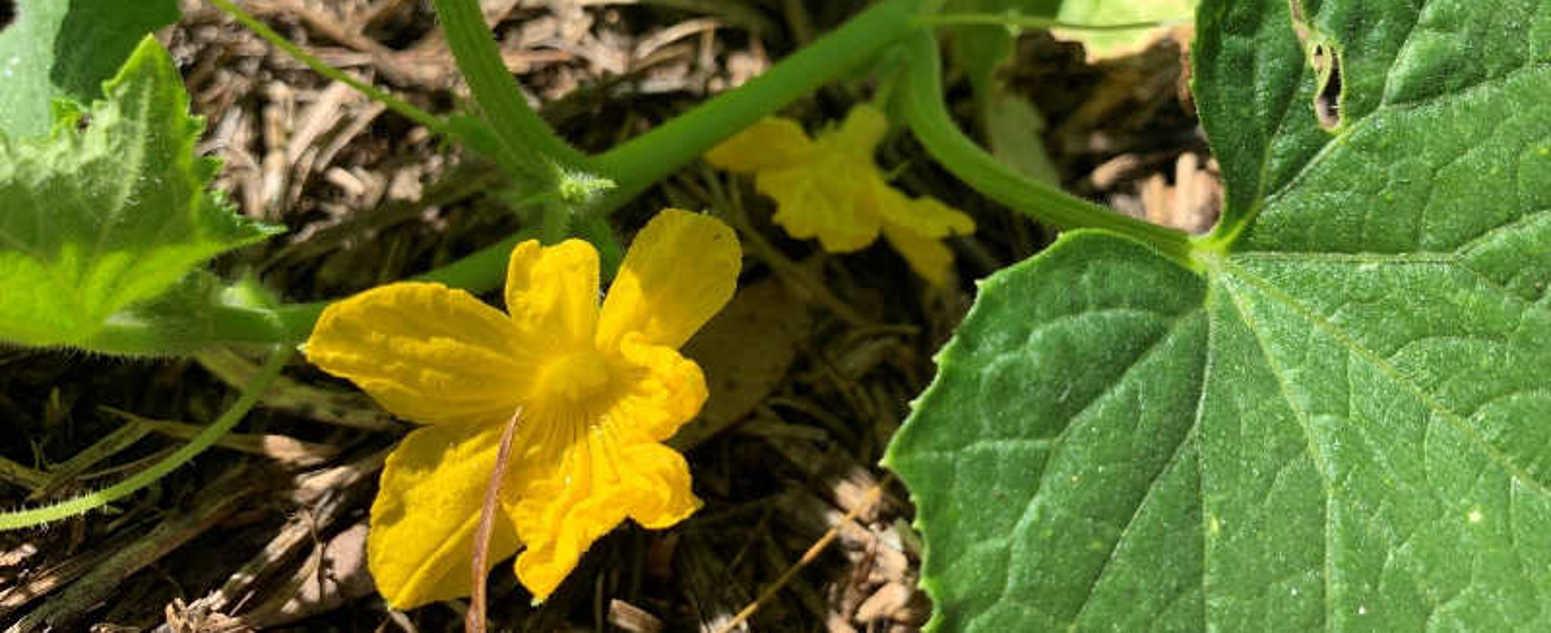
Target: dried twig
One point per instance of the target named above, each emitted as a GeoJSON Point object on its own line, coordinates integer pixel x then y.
{"type": "Point", "coordinates": [807, 557]}
{"type": "Point", "coordinates": [217, 502]}
{"type": "Point", "coordinates": [474, 621]}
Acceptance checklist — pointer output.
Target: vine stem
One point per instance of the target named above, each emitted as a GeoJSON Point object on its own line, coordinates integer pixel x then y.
{"type": "Point", "coordinates": [1034, 22]}
{"type": "Point", "coordinates": [633, 165]}
{"type": "Point", "coordinates": [642, 161]}
{"type": "Point", "coordinates": [430, 121]}
{"type": "Point", "coordinates": [528, 144]}
{"type": "Point", "coordinates": [928, 118]}
{"type": "Point", "coordinates": [207, 437]}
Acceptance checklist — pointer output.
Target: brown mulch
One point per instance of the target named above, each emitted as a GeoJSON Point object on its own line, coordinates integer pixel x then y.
{"type": "Point", "coordinates": [811, 367]}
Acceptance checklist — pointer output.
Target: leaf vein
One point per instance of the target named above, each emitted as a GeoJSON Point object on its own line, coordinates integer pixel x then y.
{"type": "Point", "coordinates": [1345, 339]}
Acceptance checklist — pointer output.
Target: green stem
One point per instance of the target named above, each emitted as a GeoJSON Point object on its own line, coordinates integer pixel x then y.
{"type": "Point", "coordinates": [478, 272]}
{"type": "Point", "coordinates": [928, 118]}
{"type": "Point", "coordinates": [88, 502]}
{"type": "Point", "coordinates": [634, 165]}
{"type": "Point", "coordinates": [482, 270]}
{"type": "Point", "coordinates": [533, 147]}
{"type": "Point", "coordinates": [125, 334]}
{"type": "Point", "coordinates": [430, 121]}
{"type": "Point", "coordinates": [297, 320]}
{"type": "Point", "coordinates": [552, 226]}
{"type": "Point", "coordinates": [641, 162]}
{"type": "Point", "coordinates": [1034, 22]}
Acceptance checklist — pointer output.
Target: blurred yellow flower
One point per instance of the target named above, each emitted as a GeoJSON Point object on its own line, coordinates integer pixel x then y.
{"type": "Point", "coordinates": [599, 391]}
{"type": "Point", "coordinates": [830, 188]}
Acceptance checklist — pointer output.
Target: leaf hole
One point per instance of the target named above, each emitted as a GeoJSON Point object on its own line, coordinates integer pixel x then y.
{"type": "Point", "coordinates": [1327, 71]}
{"type": "Point", "coordinates": [7, 13]}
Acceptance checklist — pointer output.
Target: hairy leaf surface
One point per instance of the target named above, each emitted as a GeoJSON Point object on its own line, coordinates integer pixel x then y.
{"type": "Point", "coordinates": [66, 49]}
{"type": "Point", "coordinates": [109, 210]}
{"type": "Point", "coordinates": [1336, 416]}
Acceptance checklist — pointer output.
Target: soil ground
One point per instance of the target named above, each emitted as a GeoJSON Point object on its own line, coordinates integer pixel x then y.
{"type": "Point", "coordinates": [811, 368]}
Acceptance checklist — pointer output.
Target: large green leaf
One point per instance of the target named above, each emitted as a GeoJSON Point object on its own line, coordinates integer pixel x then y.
{"type": "Point", "coordinates": [111, 209]}
{"type": "Point", "coordinates": [66, 49]}
{"type": "Point", "coordinates": [1336, 416]}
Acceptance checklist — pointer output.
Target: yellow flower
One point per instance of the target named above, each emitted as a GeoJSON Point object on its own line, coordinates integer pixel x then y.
{"type": "Point", "coordinates": [599, 391]}
{"type": "Point", "coordinates": [830, 188]}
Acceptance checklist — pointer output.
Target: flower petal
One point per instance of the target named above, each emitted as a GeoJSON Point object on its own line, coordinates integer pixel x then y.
{"type": "Point", "coordinates": [680, 270]}
{"type": "Point", "coordinates": [773, 142]}
{"type": "Point", "coordinates": [585, 467]}
{"type": "Point", "coordinates": [596, 483]}
{"type": "Point", "coordinates": [860, 133]}
{"type": "Point", "coordinates": [827, 200]}
{"type": "Point", "coordinates": [425, 352]}
{"type": "Point", "coordinates": [925, 216]}
{"type": "Point", "coordinates": [927, 256]}
{"type": "Point", "coordinates": [423, 521]}
{"type": "Point", "coordinates": [659, 481]}
{"type": "Point", "coordinates": [664, 390]}
{"type": "Point", "coordinates": [552, 293]}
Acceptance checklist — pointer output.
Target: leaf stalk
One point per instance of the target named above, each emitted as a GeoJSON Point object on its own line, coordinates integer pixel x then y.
{"type": "Point", "coordinates": [927, 116]}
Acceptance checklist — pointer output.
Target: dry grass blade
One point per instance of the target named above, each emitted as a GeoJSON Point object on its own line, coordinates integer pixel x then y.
{"type": "Point", "coordinates": [474, 622]}
{"type": "Point", "coordinates": [807, 557]}
{"type": "Point", "coordinates": [332, 407]}
{"type": "Point", "coordinates": [220, 500]}
{"type": "Point", "coordinates": [13, 472]}
{"type": "Point", "coordinates": [111, 444]}
{"type": "Point", "coordinates": [326, 498]}
{"type": "Point", "coordinates": [284, 449]}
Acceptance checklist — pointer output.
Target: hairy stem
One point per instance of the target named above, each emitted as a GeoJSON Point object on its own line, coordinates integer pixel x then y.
{"type": "Point", "coordinates": [88, 502]}
{"type": "Point", "coordinates": [634, 165]}
{"type": "Point", "coordinates": [528, 142]}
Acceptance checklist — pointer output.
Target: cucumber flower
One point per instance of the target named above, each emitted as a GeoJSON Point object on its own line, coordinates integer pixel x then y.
{"type": "Point", "coordinates": [830, 188]}
{"type": "Point", "coordinates": [598, 391]}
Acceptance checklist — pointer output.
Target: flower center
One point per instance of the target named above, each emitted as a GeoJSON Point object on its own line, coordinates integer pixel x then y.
{"type": "Point", "coordinates": [574, 376]}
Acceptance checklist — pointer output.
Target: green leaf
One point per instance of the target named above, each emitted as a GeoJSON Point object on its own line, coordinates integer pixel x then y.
{"type": "Point", "coordinates": [66, 49]}
{"type": "Point", "coordinates": [110, 210]}
{"type": "Point", "coordinates": [1106, 44]}
{"type": "Point", "coordinates": [980, 49]}
{"type": "Point", "coordinates": [1333, 417]}
{"type": "Point", "coordinates": [1016, 132]}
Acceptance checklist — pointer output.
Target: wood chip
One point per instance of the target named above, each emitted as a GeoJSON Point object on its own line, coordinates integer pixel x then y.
{"type": "Point", "coordinates": [1190, 204]}
{"type": "Point", "coordinates": [632, 619]}
{"type": "Point", "coordinates": [837, 623]}
{"type": "Point", "coordinates": [328, 495]}
{"type": "Point", "coordinates": [884, 603]}
{"type": "Point", "coordinates": [284, 449]}
{"type": "Point", "coordinates": [334, 574]}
